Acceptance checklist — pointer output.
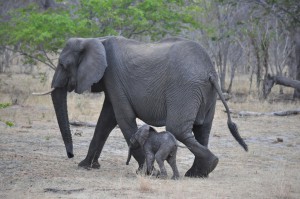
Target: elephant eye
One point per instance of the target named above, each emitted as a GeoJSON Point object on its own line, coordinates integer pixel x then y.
{"type": "Point", "coordinates": [63, 66]}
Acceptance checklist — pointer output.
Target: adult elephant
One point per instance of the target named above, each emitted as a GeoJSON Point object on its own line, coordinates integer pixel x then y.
{"type": "Point", "coordinates": [171, 83]}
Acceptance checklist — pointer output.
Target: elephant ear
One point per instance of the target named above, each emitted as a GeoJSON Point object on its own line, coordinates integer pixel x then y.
{"type": "Point", "coordinates": [142, 134]}
{"type": "Point", "coordinates": [92, 64]}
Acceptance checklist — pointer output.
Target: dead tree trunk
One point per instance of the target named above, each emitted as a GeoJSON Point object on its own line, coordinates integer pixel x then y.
{"type": "Point", "coordinates": [280, 80]}
{"type": "Point", "coordinates": [276, 113]}
{"type": "Point", "coordinates": [265, 51]}
{"type": "Point", "coordinates": [258, 61]}
{"type": "Point", "coordinates": [48, 4]}
{"type": "Point", "coordinates": [297, 57]}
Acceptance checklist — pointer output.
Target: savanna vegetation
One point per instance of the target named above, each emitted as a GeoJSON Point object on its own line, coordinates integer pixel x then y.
{"type": "Point", "coordinates": [249, 37]}
{"type": "Point", "coordinates": [255, 46]}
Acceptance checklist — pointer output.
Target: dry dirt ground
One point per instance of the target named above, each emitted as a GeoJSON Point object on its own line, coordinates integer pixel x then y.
{"type": "Point", "coordinates": [33, 162]}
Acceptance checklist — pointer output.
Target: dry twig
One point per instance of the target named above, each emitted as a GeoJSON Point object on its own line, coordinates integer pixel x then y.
{"type": "Point", "coordinates": [276, 113]}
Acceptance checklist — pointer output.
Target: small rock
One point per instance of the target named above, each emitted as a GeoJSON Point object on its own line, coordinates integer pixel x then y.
{"type": "Point", "coordinates": [26, 126]}
{"type": "Point", "coordinates": [277, 140]}
{"type": "Point", "coordinates": [78, 132]}
{"type": "Point", "coordinates": [291, 145]}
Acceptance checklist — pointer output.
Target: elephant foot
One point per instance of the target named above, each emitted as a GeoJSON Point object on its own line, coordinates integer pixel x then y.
{"type": "Point", "coordinates": [88, 165]}
{"type": "Point", "coordinates": [202, 168]}
{"type": "Point", "coordinates": [143, 171]}
{"type": "Point", "coordinates": [175, 178]}
{"type": "Point", "coordinates": [155, 172]}
{"type": "Point", "coordinates": [162, 176]}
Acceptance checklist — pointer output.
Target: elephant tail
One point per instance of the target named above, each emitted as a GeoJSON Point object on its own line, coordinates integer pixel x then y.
{"type": "Point", "coordinates": [231, 125]}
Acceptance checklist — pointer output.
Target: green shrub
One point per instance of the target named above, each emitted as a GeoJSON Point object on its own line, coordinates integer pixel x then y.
{"type": "Point", "coordinates": [9, 123]}
{"type": "Point", "coordinates": [4, 105]}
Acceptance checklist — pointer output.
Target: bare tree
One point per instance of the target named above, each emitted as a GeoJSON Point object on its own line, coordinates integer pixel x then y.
{"type": "Point", "coordinates": [288, 12]}
{"type": "Point", "coordinates": [281, 51]}
{"type": "Point", "coordinates": [297, 60]}
{"type": "Point", "coordinates": [235, 57]}
{"type": "Point", "coordinates": [222, 19]}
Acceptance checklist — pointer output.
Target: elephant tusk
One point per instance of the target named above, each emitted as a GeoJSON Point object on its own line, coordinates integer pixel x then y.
{"type": "Point", "coordinates": [44, 93]}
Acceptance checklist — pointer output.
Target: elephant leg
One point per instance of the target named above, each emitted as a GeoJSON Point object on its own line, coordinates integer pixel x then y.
{"type": "Point", "coordinates": [208, 160]}
{"type": "Point", "coordinates": [180, 121]}
{"type": "Point", "coordinates": [201, 133]}
{"type": "Point", "coordinates": [128, 127]}
{"type": "Point", "coordinates": [126, 120]}
{"type": "Point", "coordinates": [160, 157]}
{"type": "Point", "coordinates": [105, 125]}
{"type": "Point", "coordinates": [149, 162]}
{"type": "Point", "coordinates": [172, 162]}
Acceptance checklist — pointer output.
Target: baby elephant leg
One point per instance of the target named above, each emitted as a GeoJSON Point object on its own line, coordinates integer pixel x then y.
{"type": "Point", "coordinates": [149, 162]}
{"type": "Point", "coordinates": [172, 162]}
{"type": "Point", "coordinates": [160, 157]}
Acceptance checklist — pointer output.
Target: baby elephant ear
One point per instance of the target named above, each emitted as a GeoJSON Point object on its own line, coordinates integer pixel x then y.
{"type": "Point", "coordinates": [92, 64]}
{"type": "Point", "coordinates": [142, 134]}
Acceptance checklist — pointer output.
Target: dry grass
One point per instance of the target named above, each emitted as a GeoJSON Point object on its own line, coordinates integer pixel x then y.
{"type": "Point", "coordinates": [79, 105]}
{"type": "Point", "coordinates": [144, 184]}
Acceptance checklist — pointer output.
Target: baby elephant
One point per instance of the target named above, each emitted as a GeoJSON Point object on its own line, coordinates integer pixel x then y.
{"type": "Point", "coordinates": [159, 146]}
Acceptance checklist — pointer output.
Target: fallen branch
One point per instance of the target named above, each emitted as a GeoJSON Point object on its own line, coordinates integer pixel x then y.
{"type": "Point", "coordinates": [63, 191]}
{"type": "Point", "coordinates": [86, 124]}
{"type": "Point", "coordinates": [270, 81]}
{"type": "Point", "coordinates": [277, 113]}
{"type": "Point", "coordinates": [284, 81]}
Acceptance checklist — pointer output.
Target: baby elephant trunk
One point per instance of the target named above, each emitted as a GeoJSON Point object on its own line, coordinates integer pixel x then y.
{"type": "Point", "coordinates": [129, 156]}
{"type": "Point", "coordinates": [133, 145]}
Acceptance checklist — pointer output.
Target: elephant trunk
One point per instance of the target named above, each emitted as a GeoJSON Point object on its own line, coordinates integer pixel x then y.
{"type": "Point", "coordinates": [129, 156]}
{"type": "Point", "coordinates": [133, 144]}
{"type": "Point", "coordinates": [59, 99]}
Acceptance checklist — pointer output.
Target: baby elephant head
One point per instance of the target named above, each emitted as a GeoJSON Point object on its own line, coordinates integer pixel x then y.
{"type": "Point", "coordinates": [139, 139]}
{"type": "Point", "coordinates": [141, 135]}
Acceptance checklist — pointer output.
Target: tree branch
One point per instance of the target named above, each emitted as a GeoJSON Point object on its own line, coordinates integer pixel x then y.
{"type": "Point", "coordinates": [276, 113]}
{"type": "Point", "coordinates": [32, 57]}
{"type": "Point", "coordinates": [49, 60]}
{"type": "Point", "coordinates": [284, 81]}
{"type": "Point", "coordinates": [140, 32]}
{"type": "Point", "coordinates": [269, 8]}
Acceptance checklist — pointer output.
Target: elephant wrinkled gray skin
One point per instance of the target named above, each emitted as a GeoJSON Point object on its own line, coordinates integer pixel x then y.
{"type": "Point", "coordinates": [156, 146]}
{"type": "Point", "coordinates": [171, 83]}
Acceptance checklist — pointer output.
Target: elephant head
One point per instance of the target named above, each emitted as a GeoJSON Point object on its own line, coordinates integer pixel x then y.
{"type": "Point", "coordinates": [141, 135]}
{"type": "Point", "coordinates": [139, 139]}
{"type": "Point", "coordinates": [82, 63]}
